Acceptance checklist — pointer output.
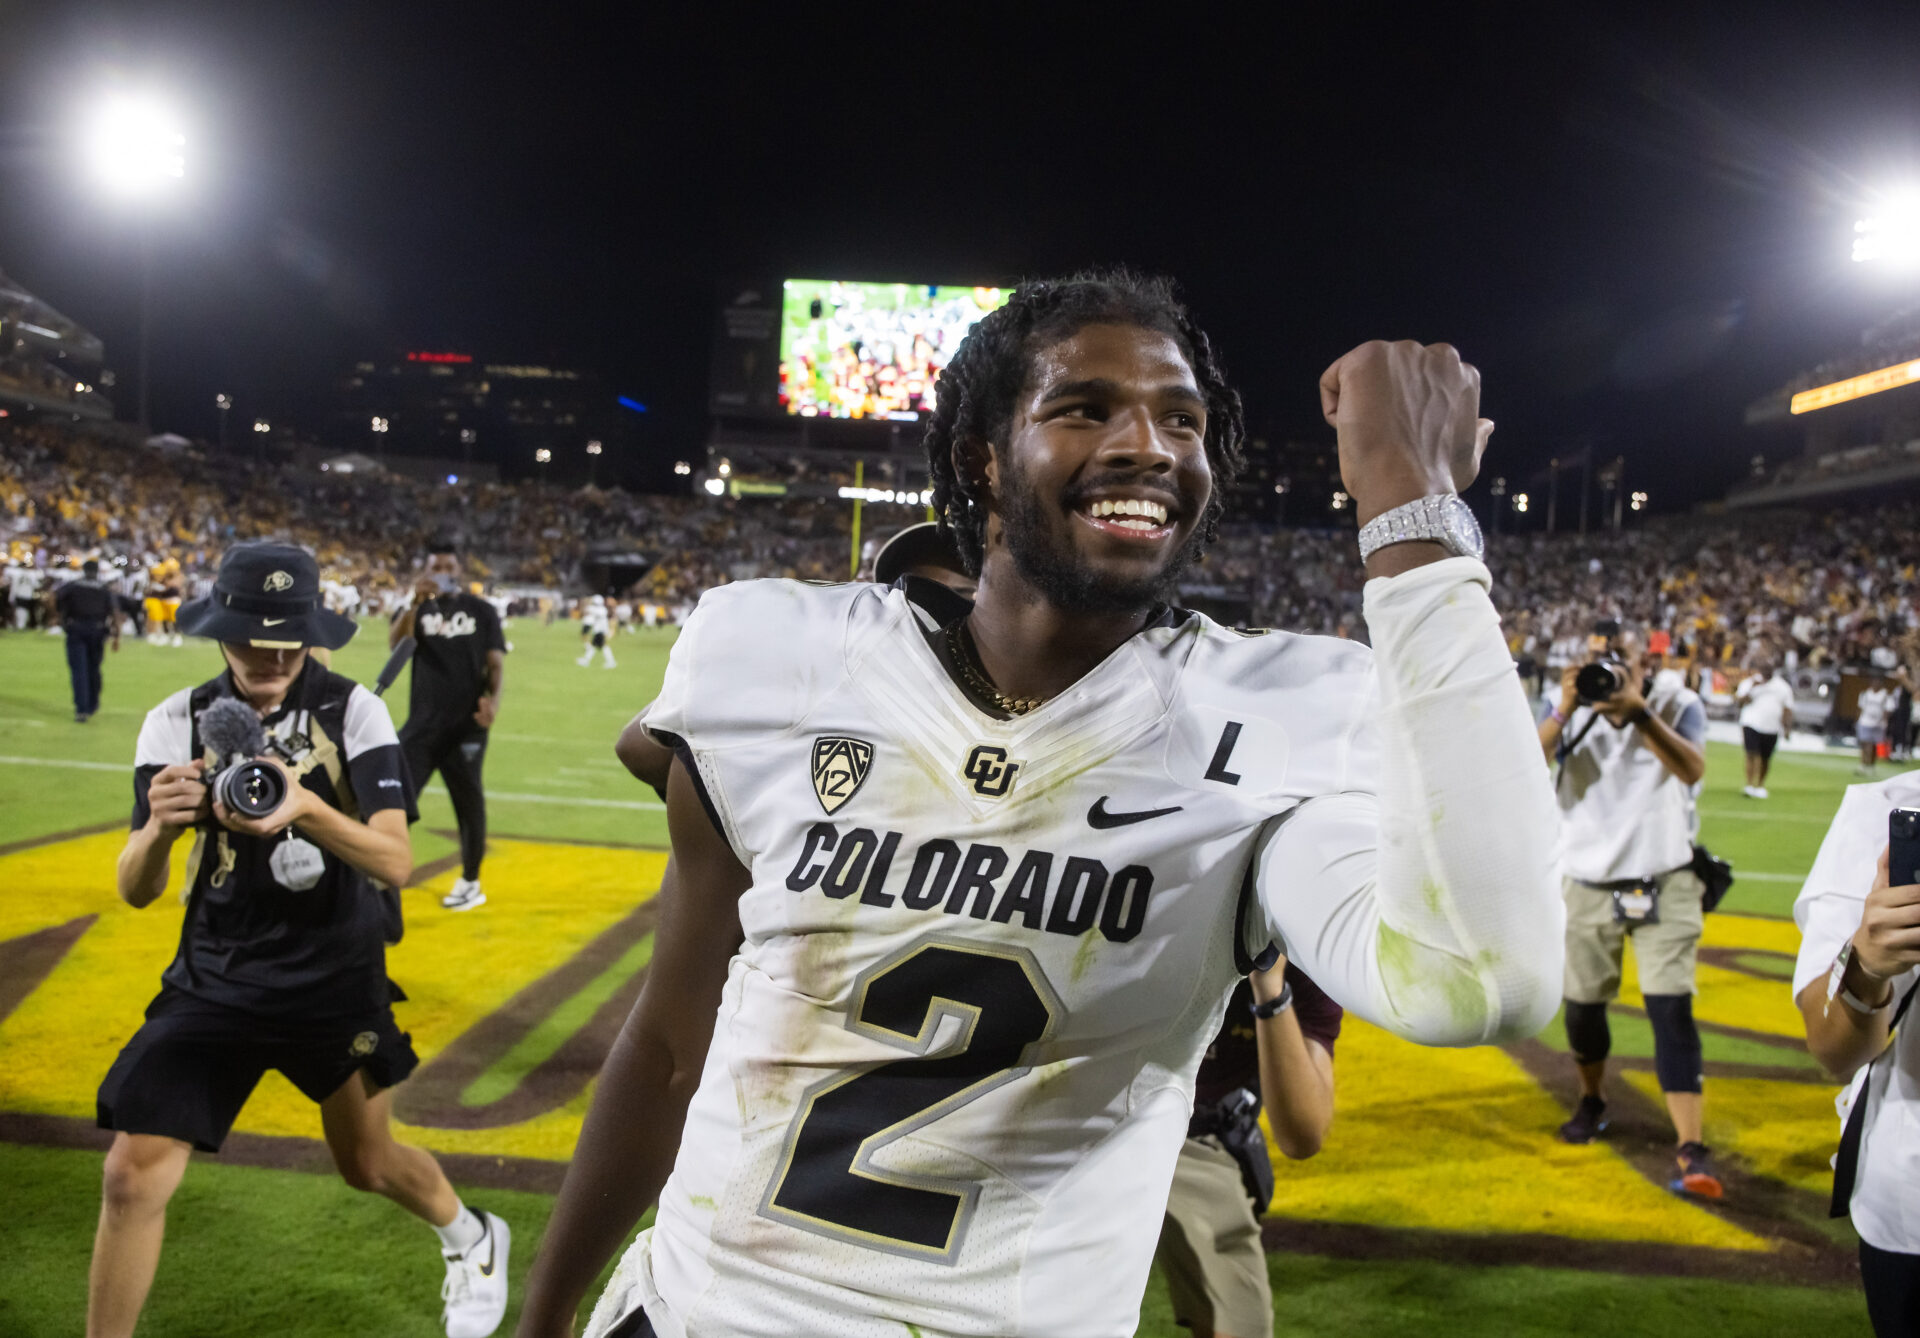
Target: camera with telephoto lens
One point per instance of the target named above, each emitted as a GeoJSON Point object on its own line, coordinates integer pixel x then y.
{"type": "Point", "coordinates": [242, 782]}
{"type": "Point", "coordinates": [1598, 681]}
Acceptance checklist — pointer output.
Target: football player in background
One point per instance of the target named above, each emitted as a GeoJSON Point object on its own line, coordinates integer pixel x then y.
{"type": "Point", "coordinates": [596, 629]}
{"type": "Point", "coordinates": [959, 890]}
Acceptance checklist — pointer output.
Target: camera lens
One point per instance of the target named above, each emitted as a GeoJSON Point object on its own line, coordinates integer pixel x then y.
{"type": "Point", "coordinates": [252, 789]}
{"type": "Point", "coordinates": [1596, 682]}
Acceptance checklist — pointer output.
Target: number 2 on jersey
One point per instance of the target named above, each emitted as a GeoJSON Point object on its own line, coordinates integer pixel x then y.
{"type": "Point", "coordinates": [827, 1182]}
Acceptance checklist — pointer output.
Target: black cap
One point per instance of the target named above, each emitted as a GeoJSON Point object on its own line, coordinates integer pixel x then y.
{"type": "Point", "coordinates": [267, 595]}
{"type": "Point", "coordinates": [922, 545]}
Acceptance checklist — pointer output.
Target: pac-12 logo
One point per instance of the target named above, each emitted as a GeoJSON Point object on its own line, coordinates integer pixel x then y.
{"type": "Point", "coordinates": [840, 767]}
{"type": "Point", "coordinates": [988, 771]}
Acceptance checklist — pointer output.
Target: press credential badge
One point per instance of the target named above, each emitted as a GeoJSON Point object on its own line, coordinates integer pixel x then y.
{"type": "Point", "coordinates": [296, 864]}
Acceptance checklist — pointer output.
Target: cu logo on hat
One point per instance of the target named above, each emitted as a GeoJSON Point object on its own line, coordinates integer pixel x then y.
{"type": "Point", "coordinates": [365, 1043]}
{"type": "Point", "coordinates": [280, 580]}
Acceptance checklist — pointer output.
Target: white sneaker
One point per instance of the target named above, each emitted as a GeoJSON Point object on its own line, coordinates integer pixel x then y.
{"type": "Point", "coordinates": [1759, 792]}
{"type": "Point", "coordinates": [609, 661]}
{"type": "Point", "coordinates": [584, 661]}
{"type": "Point", "coordinates": [176, 640]}
{"type": "Point", "coordinates": [1751, 791]}
{"type": "Point", "coordinates": [465, 896]}
{"type": "Point", "coordinates": [475, 1291]}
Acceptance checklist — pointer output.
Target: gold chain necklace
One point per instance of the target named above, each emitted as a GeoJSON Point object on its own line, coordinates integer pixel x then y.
{"type": "Point", "coordinates": [959, 646]}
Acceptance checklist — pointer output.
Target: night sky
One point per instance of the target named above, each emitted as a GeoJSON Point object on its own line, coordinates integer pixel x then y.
{"type": "Point", "coordinates": [1633, 225]}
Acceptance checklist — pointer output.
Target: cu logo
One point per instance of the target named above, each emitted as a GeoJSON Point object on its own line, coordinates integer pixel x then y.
{"type": "Point", "coordinates": [280, 580]}
{"type": "Point", "coordinates": [988, 771]}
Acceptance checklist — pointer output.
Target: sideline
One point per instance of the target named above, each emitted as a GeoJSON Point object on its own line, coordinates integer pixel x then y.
{"type": "Point", "coordinates": [506, 796]}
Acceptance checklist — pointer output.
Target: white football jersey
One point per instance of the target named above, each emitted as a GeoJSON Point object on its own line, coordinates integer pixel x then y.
{"type": "Point", "coordinates": [953, 1064]}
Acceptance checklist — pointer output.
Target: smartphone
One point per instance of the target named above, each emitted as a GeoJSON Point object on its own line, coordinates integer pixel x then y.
{"type": "Point", "coordinates": [1903, 847]}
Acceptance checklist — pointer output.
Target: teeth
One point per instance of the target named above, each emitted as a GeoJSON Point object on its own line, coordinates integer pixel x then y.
{"type": "Point", "coordinates": [1152, 514]}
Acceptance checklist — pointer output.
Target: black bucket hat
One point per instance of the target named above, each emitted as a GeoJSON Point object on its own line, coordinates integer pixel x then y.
{"type": "Point", "coordinates": [267, 595]}
{"type": "Point", "coordinates": [922, 545]}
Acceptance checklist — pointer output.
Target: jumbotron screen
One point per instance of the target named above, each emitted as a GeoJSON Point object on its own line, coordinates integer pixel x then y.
{"type": "Point", "coordinates": [871, 350]}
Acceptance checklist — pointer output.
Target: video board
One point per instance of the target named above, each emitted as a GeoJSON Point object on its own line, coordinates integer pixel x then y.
{"type": "Point", "coordinates": [871, 350]}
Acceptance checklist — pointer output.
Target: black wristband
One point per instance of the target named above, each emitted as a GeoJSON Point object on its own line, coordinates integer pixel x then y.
{"type": "Point", "coordinates": [1275, 1006]}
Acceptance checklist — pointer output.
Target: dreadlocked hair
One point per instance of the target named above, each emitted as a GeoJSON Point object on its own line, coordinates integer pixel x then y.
{"type": "Point", "coordinates": [977, 389]}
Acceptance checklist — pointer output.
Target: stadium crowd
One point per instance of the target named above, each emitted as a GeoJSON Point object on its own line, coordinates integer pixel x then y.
{"type": "Point", "coordinates": [1800, 589]}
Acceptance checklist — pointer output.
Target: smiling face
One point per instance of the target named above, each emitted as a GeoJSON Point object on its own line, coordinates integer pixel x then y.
{"type": "Point", "coordinates": [1099, 494]}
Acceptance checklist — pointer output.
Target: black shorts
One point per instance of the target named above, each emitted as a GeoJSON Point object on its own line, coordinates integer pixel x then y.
{"type": "Point", "coordinates": [192, 1065]}
{"type": "Point", "coordinates": [1760, 745]}
{"type": "Point", "coordinates": [599, 640]}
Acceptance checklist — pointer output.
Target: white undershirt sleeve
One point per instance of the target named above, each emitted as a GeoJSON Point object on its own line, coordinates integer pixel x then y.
{"type": "Point", "coordinates": [1431, 905]}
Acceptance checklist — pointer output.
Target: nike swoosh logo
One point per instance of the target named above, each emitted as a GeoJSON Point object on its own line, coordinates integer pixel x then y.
{"type": "Point", "coordinates": [1098, 817]}
{"type": "Point", "coordinates": [271, 622]}
{"type": "Point", "coordinates": [486, 1269]}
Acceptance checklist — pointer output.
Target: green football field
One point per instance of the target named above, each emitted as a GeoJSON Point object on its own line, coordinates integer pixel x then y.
{"type": "Point", "coordinates": [1393, 1230]}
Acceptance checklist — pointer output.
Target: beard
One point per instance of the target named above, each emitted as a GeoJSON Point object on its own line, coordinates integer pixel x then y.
{"type": "Point", "coordinates": [1048, 561]}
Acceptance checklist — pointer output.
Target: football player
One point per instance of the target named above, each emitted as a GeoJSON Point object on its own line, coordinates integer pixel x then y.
{"type": "Point", "coordinates": [959, 889]}
{"type": "Point", "coordinates": [596, 632]}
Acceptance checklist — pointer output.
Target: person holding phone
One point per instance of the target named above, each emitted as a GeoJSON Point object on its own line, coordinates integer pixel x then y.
{"type": "Point", "coordinates": [1859, 918]}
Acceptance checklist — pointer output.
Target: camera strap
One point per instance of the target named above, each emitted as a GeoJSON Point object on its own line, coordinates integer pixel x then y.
{"type": "Point", "coordinates": [1846, 1162]}
{"type": "Point", "coordinates": [1567, 745]}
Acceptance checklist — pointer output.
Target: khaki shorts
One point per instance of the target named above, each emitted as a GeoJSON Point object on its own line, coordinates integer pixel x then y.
{"type": "Point", "coordinates": [1210, 1248]}
{"type": "Point", "coordinates": [1664, 951]}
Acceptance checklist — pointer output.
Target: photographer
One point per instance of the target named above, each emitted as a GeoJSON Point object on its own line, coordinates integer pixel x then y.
{"type": "Point", "coordinates": [282, 958]}
{"type": "Point", "coordinates": [1626, 762]}
{"type": "Point", "coordinates": [1853, 981]}
{"type": "Point", "coordinates": [1275, 1051]}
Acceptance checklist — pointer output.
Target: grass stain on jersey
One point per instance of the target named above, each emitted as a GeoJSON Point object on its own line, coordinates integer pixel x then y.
{"type": "Point", "coordinates": [1412, 971]}
{"type": "Point", "coordinates": [703, 1201]}
{"type": "Point", "coordinates": [1083, 959]}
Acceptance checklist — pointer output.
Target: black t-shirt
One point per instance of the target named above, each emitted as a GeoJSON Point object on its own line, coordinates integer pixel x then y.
{"type": "Point", "coordinates": [1233, 1060]}
{"type": "Point", "coordinates": [84, 604]}
{"type": "Point", "coordinates": [452, 635]}
{"type": "Point", "coordinates": [249, 941]}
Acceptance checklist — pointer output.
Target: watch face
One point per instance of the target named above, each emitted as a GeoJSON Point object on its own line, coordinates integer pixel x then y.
{"type": "Point", "coordinates": [1464, 530]}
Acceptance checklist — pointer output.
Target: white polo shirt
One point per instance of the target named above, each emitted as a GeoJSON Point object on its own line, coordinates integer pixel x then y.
{"type": "Point", "coordinates": [1874, 704]}
{"type": "Point", "coordinates": [1622, 813]}
{"type": "Point", "coordinates": [1886, 1200]}
{"type": "Point", "coordinates": [1766, 703]}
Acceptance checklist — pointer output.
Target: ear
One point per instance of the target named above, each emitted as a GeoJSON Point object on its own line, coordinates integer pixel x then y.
{"type": "Point", "coordinates": [975, 461]}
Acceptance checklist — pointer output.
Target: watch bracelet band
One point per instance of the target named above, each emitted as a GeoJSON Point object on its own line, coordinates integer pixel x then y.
{"type": "Point", "coordinates": [1275, 1006]}
{"type": "Point", "coordinates": [1422, 518]}
{"type": "Point", "coordinates": [1858, 1005]}
{"type": "Point", "coordinates": [1836, 985]}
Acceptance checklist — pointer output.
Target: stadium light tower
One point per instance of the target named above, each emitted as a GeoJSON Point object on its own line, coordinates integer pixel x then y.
{"type": "Point", "coordinates": [136, 150]}
{"type": "Point", "coordinates": [1890, 236]}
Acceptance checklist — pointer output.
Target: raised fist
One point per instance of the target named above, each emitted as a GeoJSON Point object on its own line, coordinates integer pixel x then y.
{"type": "Point", "coordinates": [1407, 416]}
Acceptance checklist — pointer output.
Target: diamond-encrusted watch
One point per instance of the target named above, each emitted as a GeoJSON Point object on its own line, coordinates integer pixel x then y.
{"type": "Point", "coordinates": [1440, 518]}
